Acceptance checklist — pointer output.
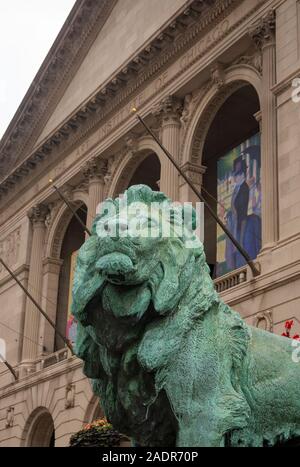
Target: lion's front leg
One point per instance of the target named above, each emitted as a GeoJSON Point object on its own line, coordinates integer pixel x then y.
{"type": "Point", "coordinates": [202, 431]}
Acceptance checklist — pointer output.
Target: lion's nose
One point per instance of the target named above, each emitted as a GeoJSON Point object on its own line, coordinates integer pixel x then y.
{"type": "Point", "coordinates": [115, 226]}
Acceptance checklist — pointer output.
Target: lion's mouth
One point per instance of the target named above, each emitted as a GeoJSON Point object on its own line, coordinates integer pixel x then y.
{"type": "Point", "coordinates": [117, 267]}
{"type": "Point", "coordinates": [116, 278]}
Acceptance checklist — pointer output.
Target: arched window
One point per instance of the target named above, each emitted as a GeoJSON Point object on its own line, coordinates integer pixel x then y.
{"type": "Point", "coordinates": [232, 182]}
{"type": "Point", "coordinates": [147, 173]}
{"type": "Point", "coordinates": [73, 239]}
{"type": "Point", "coordinates": [39, 429]}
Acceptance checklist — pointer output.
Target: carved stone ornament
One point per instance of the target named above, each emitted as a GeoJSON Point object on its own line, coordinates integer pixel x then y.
{"type": "Point", "coordinates": [186, 108]}
{"type": "Point", "coordinates": [38, 214]}
{"type": "Point", "coordinates": [130, 143]}
{"type": "Point", "coordinates": [70, 396]}
{"type": "Point", "coordinates": [264, 320]}
{"type": "Point", "coordinates": [9, 422]}
{"type": "Point", "coordinates": [263, 32]}
{"type": "Point", "coordinates": [169, 110]}
{"type": "Point", "coordinates": [95, 169]}
{"type": "Point", "coordinates": [254, 60]}
{"type": "Point", "coordinates": [194, 172]}
{"type": "Point", "coordinates": [217, 75]}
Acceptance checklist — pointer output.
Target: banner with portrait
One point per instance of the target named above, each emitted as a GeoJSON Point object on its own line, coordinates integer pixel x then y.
{"type": "Point", "coordinates": [239, 204]}
{"type": "Point", "coordinates": [71, 321]}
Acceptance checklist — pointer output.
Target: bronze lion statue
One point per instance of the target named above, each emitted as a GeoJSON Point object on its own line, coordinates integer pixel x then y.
{"type": "Point", "coordinates": [171, 363]}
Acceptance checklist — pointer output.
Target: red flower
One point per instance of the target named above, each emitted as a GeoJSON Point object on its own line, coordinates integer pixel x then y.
{"type": "Point", "coordinates": [296, 337]}
{"type": "Point", "coordinates": [289, 324]}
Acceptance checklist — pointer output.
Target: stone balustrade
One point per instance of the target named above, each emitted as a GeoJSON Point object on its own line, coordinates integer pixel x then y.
{"type": "Point", "coordinates": [231, 279]}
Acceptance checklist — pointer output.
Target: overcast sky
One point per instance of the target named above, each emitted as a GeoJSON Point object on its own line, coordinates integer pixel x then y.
{"type": "Point", "coordinates": [28, 28]}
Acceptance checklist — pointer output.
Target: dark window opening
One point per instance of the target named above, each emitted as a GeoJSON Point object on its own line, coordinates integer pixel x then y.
{"type": "Point", "coordinates": [73, 239]}
{"type": "Point", "coordinates": [232, 179]}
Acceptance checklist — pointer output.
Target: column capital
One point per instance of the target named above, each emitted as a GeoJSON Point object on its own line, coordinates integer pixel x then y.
{"type": "Point", "coordinates": [195, 172]}
{"type": "Point", "coordinates": [263, 31]}
{"type": "Point", "coordinates": [95, 170]}
{"type": "Point", "coordinates": [37, 214]}
{"type": "Point", "coordinates": [169, 110]}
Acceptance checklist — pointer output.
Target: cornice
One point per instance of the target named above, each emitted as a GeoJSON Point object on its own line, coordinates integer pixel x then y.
{"type": "Point", "coordinates": [174, 40]}
{"type": "Point", "coordinates": [265, 283]}
{"type": "Point", "coordinates": [74, 40]}
{"type": "Point", "coordinates": [285, 83]}
{"type": "Point", "coordinates": [46, 374]}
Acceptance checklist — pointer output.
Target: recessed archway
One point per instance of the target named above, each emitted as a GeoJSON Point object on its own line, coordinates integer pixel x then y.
{"type": "Point", "coordinates": [39, 429]}
{"type": "Point", "coordinates": [73, 238]}
{"type": "Point", "coordinates": [208, 104]}
{"type": "Point", "coordinates": [147, 173]}
{"type": "Point", "coordinates": [142, 167]}
{"type": "Point", "coordinates": [232, 180]}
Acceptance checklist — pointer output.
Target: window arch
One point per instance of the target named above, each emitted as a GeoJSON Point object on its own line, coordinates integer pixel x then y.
{"type": "Point", "coordinates": [147, 172]}
{"type": "Point", "coordinates": [39, 429]}
{"type": "Point", "coordinates": [73, 238]}
{"type": "Point", "coordinates": [140, 167]}
{"type": "Point", "coordinates": [232, 180]}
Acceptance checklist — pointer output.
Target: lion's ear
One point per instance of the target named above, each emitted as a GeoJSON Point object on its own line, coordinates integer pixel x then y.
{"type": "Point", "coordinates": [177, 271]}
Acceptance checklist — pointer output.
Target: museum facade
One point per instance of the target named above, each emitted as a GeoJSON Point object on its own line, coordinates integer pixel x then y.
{"type": "Point", "coordinates": [218, 82]}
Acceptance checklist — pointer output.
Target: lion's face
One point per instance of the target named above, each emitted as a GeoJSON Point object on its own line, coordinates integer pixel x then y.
{"type": "Point", "coordinates": [134, 241]}
{"type": "Point", "coordinates": [140, 251]}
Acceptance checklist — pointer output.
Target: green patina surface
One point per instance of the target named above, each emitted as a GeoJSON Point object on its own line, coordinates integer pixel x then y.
{"type": "Point", "coordinates": [172, 364]}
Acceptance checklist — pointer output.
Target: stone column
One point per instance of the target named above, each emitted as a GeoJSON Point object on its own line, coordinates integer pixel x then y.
{"type": "Point", "coordinates": [263, 34]}
{"type": "Point", "coordinates": [37, 216]}
{"type": "Point", "coordinates": [169, 112]}
{"type": "Point", "coordinates": [95, 171]}
{"type": "Point", "coordinates": [51, 270]}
